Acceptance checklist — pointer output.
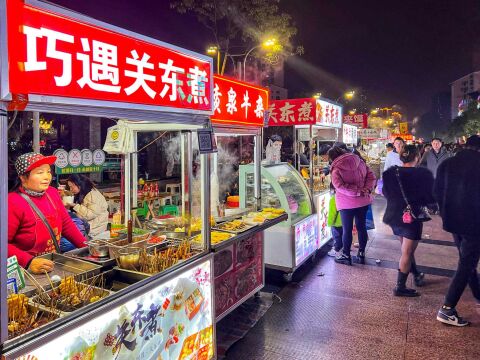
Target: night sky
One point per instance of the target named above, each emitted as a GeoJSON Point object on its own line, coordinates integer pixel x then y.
{"type": "Point", "coordinates": [396, 52]}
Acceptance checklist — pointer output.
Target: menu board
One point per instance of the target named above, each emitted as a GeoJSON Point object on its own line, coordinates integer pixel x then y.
{"type": "Point", "coordinates": [171, 321]}
{"type": "Point", "coordinates": [306, 238]}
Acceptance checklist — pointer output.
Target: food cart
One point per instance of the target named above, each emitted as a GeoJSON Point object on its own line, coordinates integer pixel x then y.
{"type": "Point", "coordinates": [290, 244]}
{"type": "Point", "coordinates": [237, 238]}
{"type": "Point", "coordinates": [57, 61]}
{"type": "Point", "coordinates": [373, 144]}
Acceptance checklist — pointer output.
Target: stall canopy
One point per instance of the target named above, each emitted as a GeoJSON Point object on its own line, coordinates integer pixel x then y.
{"type": "Point", "coordinates": [56, 60]}
{"type": "Point", "coordinates": [238, 103]}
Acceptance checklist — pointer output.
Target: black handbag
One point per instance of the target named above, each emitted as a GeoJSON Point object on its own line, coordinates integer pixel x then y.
{"type": "Point", "coordinates": [408, 214]}
{"type": "Point", "coordinates": [44, 220]}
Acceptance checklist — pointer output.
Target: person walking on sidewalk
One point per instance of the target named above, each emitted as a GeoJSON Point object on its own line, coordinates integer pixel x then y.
{"type": "Point", "coordinates": [457, 190]}
{"type": "Point", "coordinates": [353, 182]}
{"type": "Point", "coordinates": [404, 187]}
{"type": "Point", "coordinates": [433, 158]}
{"type": "Point", "coordinates": [393, 157]}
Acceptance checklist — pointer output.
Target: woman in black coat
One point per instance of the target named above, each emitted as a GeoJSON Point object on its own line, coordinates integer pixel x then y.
{"type": "Point", "coordinates": [418, 187]}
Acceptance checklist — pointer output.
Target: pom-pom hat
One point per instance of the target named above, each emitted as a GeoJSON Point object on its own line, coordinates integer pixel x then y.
{"type": "Point", "coordinates": [30, 161]}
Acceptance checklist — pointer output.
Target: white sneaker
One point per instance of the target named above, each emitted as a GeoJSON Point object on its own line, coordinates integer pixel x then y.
{"type": "Point", "coordinates": [333, 253]}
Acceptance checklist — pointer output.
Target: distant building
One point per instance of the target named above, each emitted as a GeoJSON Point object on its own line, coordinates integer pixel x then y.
{"type": "Point", "coordinates": [277, 92]}
{"type": "Point", "coordinates": [464, 89]}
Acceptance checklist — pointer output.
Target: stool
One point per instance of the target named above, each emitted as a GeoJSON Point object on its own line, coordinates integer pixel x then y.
{"type": "Point", "coordinates": [142, 211]}
{"type": "Point", "coordinates": [165, 200]}
{"type": "Point", "coordinates": [176, 199]}
{"type": "Point", "coordinates": [169, 210]}
{"type": "Point", "coordinates": [172, 188]}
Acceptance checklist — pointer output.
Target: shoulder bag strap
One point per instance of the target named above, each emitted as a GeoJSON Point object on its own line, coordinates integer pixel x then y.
{"type": "Point", "coordinates": [44, 220]}
{"type": "Point", "coordinates": [401, 186]}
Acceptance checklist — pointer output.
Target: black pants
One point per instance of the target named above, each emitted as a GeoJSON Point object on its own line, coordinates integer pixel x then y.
{"type": "Point", "coordinates": [337, 233]}
{"type": "Point", "coordinates": [469, 252]}
{"type": "Point", "coordinates": [360, 216]}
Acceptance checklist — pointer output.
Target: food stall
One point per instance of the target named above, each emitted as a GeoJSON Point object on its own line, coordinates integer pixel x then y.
{"type": "Point", "coordinates": [290, 244]}
{"type": "Point", "coordinates": [156, 300]}
{"type": "Point", "coordinates": [373, 143]}
{"type": "Point", "coordinates": [318, 137]}
{"type": "Point", "coordinates": [237, 237]}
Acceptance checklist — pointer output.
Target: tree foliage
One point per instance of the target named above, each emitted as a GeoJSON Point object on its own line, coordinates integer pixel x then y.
{"type": "Point", "coordinates": [243, 24]}
{"type": "Point", "coordinates": [468, 123]}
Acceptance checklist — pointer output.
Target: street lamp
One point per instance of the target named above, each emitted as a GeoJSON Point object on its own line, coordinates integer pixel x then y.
{"type": "Point", "coordinates": [317, 95]}
{"type": "Point", "coordinates": [212, 50]}
{"type": "Point", "coordinates": [348, 95]}
{"type": "Point", "coordinates": [352, 112]}
{"type": "Point", "coordinates": [266, 44]}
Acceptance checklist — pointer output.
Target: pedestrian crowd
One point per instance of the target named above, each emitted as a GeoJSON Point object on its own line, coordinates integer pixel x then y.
{"type": "Point", "coordinates": [418, 181]}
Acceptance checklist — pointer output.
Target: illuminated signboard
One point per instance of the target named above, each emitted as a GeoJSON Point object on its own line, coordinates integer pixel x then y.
{"type": "Point", "coordinates": [51, 54]}
{"type": "Point", "coordinates": [238, 103]}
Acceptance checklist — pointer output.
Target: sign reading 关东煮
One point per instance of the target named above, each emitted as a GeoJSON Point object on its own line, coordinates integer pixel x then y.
{"type": "Point", "coordinates": [292, 112]}
{"type": "Point", "coordinates": [51, 54]}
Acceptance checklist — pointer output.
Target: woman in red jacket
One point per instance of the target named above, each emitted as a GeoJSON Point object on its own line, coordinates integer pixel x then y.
{"type": "Point", "coordinates": [28, 236]}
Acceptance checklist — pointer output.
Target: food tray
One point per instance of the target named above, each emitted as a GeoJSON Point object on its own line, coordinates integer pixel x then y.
{"type": "Point", "coordinates": [118, 279]}
{"type": "Point", "coordinates": [64, 266]}
{"type": "Point", "coordinates": [64, 309]}
{"type": "Point", "coordinates": [246, 227]}
{"type": "Point", "coordinates": [84, 254]}
{"type": "Point", "coordinates": [44, 317]}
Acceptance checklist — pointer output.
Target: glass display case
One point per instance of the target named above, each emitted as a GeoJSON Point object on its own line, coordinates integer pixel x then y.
{"type": "Point", "coordinates": [281, 187]}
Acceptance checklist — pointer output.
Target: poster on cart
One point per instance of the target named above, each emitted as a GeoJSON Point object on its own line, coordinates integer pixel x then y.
{"type": "Point", "coordinates": [171, 321]}
{"type": "Point", "coordinates": [324, 231]}
{"type": "Point", "coordinates": [238, 271]}
{"type": "Point", "coordinates": [306, 238]}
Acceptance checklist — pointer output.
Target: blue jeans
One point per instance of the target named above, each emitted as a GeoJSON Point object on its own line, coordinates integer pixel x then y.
{"type": "Point", "coordinates": [348, 215]}
{"type": "Point", "coordinates": [337, 232]}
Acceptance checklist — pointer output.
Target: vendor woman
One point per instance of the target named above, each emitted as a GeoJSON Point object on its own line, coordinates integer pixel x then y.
{"type": "Point", "coordinates": [28, 235]}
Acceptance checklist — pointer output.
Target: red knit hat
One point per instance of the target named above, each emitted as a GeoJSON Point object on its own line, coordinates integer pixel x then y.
{"type": "Point", "coordinates": [30, 161]}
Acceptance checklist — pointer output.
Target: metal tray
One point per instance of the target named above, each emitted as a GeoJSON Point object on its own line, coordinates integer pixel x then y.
{"type": "Point", "coordinates": [42, 313]}
{"type": "Point", "coordinates": [67, 309]}
{"type": "Point", "coordinates": [84, 254]}
{"type": "Point", "coordinates": [64, 266]}
{"type": "Point", "coordinates": [118, 279]}
{"type": "Point", "coordinates": [245, 228]}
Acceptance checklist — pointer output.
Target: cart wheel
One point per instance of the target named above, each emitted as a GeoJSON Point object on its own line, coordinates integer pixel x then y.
{"type": "Point", "coordinates": [257, 294]}
{"type": "Point", "coordinates": [288, 277]}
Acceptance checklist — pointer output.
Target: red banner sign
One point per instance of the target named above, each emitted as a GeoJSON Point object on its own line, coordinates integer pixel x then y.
{"type": "Point", "coordinates": [360, 120]}
{"type": "Point", "coordinates": [56, 55]}
{"type": "Point", "coordinates": [236, 102]}
{"type": "Point", "coordinates": [292, 112]}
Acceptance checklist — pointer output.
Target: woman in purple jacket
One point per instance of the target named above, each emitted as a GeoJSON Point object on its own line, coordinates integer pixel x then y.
{"type": "Point", "coordinates": [354, 182]}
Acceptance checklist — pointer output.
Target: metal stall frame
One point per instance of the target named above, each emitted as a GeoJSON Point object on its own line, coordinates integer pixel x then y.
{"type": "Point", "coordinates": [169, 116]}
{"type": "Point", "coordinates": [226, 130]}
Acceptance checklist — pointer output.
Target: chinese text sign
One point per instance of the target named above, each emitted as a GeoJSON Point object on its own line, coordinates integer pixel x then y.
{"type": "Point", "coordinates": [328, 114]}
{"type": "Point", "coordinates": [54, 55]}
{"type": "Point", "coordinates": [236, 102]}
{"type": "Point", "coordinates": [292, 112]}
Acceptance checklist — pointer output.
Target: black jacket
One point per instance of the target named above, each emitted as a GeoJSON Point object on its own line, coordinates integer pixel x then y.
{"type": "Point", "coordinates": [418, 186]}
{"type": "Point", "coordinates": [457, 190]}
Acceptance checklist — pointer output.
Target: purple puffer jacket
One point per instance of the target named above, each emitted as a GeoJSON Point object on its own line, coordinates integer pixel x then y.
{"type": "Point", "coordinates": [353, 181]}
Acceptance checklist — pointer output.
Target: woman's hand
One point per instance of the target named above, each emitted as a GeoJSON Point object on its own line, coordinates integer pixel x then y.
{"type": "Point", "coordinates": [39, 266]}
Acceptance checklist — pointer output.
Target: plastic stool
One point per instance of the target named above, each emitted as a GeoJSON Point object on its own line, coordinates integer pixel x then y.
{"type": "Point", "coordinates": [169, 210]}
{"type": "Point", "coordinates": [142, 211]}
{"type": "Point", "coordinates": [172, 188]}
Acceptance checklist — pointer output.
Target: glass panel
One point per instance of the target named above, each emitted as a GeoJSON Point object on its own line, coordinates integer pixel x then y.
{"type": "Point", "coordinates": [294, 188]}
{"type": "Point", "coordinates": [233, 151]}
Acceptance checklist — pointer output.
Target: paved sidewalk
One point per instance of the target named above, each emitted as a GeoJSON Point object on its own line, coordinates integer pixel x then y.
{"type": "Point", "coordinates": [333, 311]}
